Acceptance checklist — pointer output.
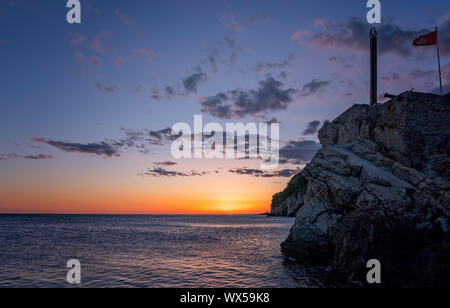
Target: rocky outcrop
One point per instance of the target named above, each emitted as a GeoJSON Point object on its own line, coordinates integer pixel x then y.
{"type": "Point", "coordinates": [379, 189]}
{"type": "Point", "coordinates": [289, 201]}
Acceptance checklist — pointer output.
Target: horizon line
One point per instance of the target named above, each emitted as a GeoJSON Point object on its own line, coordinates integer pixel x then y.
{"type": "Point", "coordinates": [140, 214]}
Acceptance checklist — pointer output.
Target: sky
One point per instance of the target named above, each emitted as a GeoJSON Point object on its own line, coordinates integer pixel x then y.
{"type": "Point", "coordinates": [86, 109]}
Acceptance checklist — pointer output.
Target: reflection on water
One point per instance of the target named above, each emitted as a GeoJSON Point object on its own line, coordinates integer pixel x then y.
{"type": "Point", "coordinates": [150, 251]}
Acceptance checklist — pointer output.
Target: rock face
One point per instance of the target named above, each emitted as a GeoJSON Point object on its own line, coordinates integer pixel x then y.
{"type": "Point", "coordinates": [289, 201]}
{"type": "Point", "coordinates": [380, 189]}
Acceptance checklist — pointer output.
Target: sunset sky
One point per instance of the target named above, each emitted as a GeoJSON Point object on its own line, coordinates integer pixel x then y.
{"type": "Point", "coordinates": [86, 109]}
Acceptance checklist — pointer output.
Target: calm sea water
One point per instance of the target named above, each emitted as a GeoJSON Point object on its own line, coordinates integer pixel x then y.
{"type": "Point", "coordinates": [150, 251]}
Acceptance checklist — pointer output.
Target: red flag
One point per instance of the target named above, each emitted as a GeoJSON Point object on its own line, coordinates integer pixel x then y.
{"type": "Point", "coordinates": [426, 40]}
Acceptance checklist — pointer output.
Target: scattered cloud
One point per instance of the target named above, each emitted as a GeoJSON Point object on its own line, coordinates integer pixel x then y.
{"type": "Point", "coordinates": [38, 157]}
{"type": "Point", "coordinates": [77, 38]}
{"type": "Point", "coordinates": [165, 163]}
{"type": "Point", "coordinates": [417, 73]}
{"type": "Point", "coordinates": [110, 89]}
{"type": "Point", "coordinates": [345, 61]}
{"type": "Point", "coordinates": [312, 128]}
{"type": "Point", "coordinates": [162, 172]}
{"type": "Point", "coordinates": [393, 76]}
{"type": "Point", "coordinates": [264, 67]}
{"type": "Point", "coordinates": [100, 148]}
{"type": "Point", "coordinates": [124, 17]}
{"type": "Point", "coordinates": [299, 151]}
{"type": "Point", "coordinates": [191, 82]}
{"type": "Point", "coordinates": [231, 43]}
{"type": "Point", "coordinates": [98, 42]}
{"type": "Point", "coordinates": [8, 156]}
{"type": "Point", "coordinates": [80, 60]}
{"type": "Point", "coordinates": [239, 24]}
{"type": "Point", "coordinates": [353, 34]}
{"type": "Point", "coordinates": [264, 174]}
{"type": "Point", "coordinates": [301, 36]}
{"type": "Point", "coordinates": [137, 89]}
{"type": "Point", "coordinates": [118, 61]}
{"type": "Point", "coordinates": [142, 138]}
{"type": "Point", "coordinates": [95, 61]}
{"type": "Point", "coordinates": [29, 157]}
{"type": "Point", "coordinates": [270, 96]}
{"type": "Point", "coordinates": [163, 134]}
{"type": "Point", "coordinates": [313, 87]}
{"type": "Point", "coordinates": [147, 52]}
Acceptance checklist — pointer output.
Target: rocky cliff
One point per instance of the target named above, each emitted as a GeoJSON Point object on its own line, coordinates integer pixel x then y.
{"type": "Point", "coordinates": [378, 189]}
{"type": "Point", "coordinates": [288, 202]}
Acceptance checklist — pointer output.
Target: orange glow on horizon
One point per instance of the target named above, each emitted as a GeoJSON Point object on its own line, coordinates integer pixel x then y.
{"type": "Point", "coordinates": [112, 191]}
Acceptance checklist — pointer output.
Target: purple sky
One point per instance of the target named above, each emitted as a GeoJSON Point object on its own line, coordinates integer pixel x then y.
{"type": "Point", "coordinates": [92, 101]}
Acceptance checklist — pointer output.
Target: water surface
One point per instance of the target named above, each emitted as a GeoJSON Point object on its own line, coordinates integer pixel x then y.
{"type": "Point", "coordinates": [150, 251]}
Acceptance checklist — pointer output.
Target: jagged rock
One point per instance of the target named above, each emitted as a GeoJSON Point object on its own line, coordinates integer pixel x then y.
{"type": "Point", "coordinates": [412, 129]}
{"type": "Point", "coordinates": [289, 201]}
{"type": "Point", "coordinates": [379, 189]}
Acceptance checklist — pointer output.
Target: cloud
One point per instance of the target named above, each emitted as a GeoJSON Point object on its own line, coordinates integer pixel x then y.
{"type": "Point", "coordinates": [270, 96]}
{"type": "Point", "coordinates": [313, 87]}
{"type": "Point", "coordinates": [353, 34]}
{"type": "Point", "coordinates": [8, 156]}
{"type": "Point", "coordinates": [100, 148]}
{"type": "Point", "coordinates": [137, 89]}
{"type": "Point", "coordinates": [124, 17]}
{"type": "Point", "coordinates": [143, 138]}
{"type": "Point", "coordinates": [191, 82]}
{"type": "Point", "coordinates": [118, 61]}
{"type": "Point", "coordinates": [80, 60]}
{"type": "Point", "coordinates": [301, 36]}
{"type": "Point", "coordinates": [299, 152]}
{"type": "Point", "coordinates": [95, 61]}
{"type": "Point", "coordinates": [98, 42]}
{"type": "Point", "coordinates": [393, 76]}
{"type": "Point", "coordinates": [345, 61]}
{"type": "Point", "coordinates": [231, 43]}
{"type": "Point", "coordinates": [77, 38]}
{"type": "Point", "coordinates": [170, 91]}
{"type": "Point", "coordinates": [110, 89]}
{"type": "Point", "coordinates": [165, 163]}
{"type": "Point", "coordinates": [263, 67]}
{"type": "Point", "coordinates": [264, 174]}
{"type": "Point", "coordinates": [417, 73]}
{"type": "Point", "coordinates": [312, 128]}
{"type": "Point", "coordinates": [238, 25]}
{"type": "Point", "coordinates": [38, 157]}
{"type": "Point", "coordinates": [147, 52]}
{"type": "Point", "coordinates": [161, 172]}
{"type": "Point", "coordinates": [161, 134]}
{"type": "Point", "coordinates": [28, 157]}
{"type": "Point", "coordinates": [141, 141]}
{"type": "Point", "coordinates": [216, 55]}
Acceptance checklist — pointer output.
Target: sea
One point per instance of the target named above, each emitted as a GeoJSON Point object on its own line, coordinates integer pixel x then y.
{"type": "Point", "coordinates": [151, 251]}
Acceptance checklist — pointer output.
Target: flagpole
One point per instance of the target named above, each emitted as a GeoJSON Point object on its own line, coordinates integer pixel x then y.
{"type": "Point", "coordinates": [439, 58]}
